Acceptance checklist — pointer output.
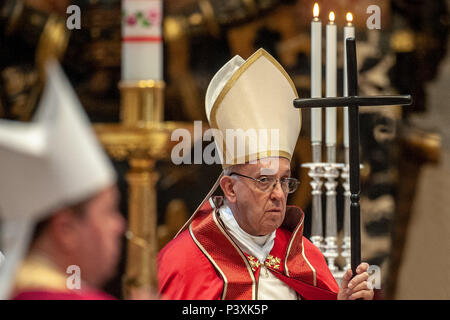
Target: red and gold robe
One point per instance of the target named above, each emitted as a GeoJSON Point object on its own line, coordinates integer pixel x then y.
{"type": "Point", "coordinates": [204, 263]}
{"type": "Point", "coordinates": [39, 279]}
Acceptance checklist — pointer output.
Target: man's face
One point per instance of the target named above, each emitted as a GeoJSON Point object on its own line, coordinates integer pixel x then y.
{"type": "Point", "coordinates": [100, 233]}
{"type": "Point", "coordinates": [260, 212]}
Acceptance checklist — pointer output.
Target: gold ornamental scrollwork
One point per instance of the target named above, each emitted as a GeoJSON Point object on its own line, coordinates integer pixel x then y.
{"type": "Point", "coordinates": [141, 138]}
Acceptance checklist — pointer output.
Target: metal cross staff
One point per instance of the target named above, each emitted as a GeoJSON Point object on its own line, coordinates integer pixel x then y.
{"type": "Point", "coordinates": [353, 101]}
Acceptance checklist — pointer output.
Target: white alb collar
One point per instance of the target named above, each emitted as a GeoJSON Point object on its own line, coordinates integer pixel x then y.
{"type": "Point", "coordinates": [257, 246]}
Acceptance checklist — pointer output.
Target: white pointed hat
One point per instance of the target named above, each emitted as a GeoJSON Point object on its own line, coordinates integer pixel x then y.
{"type": "Point", "coordinates": [251, 102]}
{"type": "Point", "coordinates": [253, 96]}
{"type": "Point", "coordinates": [48, 164]}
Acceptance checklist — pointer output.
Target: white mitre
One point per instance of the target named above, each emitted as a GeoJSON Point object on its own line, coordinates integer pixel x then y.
{"type": "Point", "coordinates": [253, 96]}
{"type": "Point", "coordinates": [48, 164]}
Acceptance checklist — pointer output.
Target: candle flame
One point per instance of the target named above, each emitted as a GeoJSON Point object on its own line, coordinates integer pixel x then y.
{"type": "Point", "coordinates": [316, 10]}
{"type": "Point", "coordinates": [332, 16]}
{"type": "Point", "coordinates": [349, 17]}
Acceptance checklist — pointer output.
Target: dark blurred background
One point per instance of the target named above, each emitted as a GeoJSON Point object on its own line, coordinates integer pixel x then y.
{"type": "Point", "coordinates": [405, 152]}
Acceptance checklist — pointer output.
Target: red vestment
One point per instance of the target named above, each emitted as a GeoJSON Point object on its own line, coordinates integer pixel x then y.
{"type": "Point", "coordinates": [204, 263]}
{"type": "Point", "coordinates": [62, 295]}
{"type": "Point", "coordinates": [39, 279]}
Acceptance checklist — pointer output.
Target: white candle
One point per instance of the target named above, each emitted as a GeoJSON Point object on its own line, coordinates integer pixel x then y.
{"type": "Point", "coordinates": [142, 47]}
{"type": "Point", "coordinates": [316, 75]}
{"type": "Point", "coordinates": [349, 32]}
{"type": "Point", "coordinates": [331, 79]}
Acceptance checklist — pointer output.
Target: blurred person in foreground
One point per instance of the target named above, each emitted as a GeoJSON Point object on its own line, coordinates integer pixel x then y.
{"type": "Point", "coordinates": [249, 244]}
{"type": "Point", "coordinates": [60, 225]}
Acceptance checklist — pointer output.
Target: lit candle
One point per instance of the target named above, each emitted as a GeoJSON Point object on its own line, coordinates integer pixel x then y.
{"type": "Point", "coordinates": [316, 75]}
{"type": "Point", "coordinates": [142, 50]}
{"type": "Point", "coordinates": [349, 32]}
{"type": "Point", "coordinates": [331, 78]}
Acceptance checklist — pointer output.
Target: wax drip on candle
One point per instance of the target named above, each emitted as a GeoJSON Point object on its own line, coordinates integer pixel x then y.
{"type": "Point", "coordinates": [316, 11]}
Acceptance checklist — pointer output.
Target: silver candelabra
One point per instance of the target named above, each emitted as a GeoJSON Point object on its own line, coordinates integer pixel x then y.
{"type": "Point", "coordinates": [327, 174]}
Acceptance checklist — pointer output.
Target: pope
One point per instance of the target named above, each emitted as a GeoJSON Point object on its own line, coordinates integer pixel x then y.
{"type": "Point", "coordinates": [248, 243]}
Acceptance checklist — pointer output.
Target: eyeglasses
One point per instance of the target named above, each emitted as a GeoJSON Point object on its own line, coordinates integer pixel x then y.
{"type": "Point", "coordinates": [268, 183]}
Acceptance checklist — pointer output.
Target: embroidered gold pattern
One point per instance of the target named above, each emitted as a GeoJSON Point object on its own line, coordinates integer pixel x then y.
{"type": "Point", "coordinates": [254, 263]}
{"type": "Point", "coordinates": [272, 262]}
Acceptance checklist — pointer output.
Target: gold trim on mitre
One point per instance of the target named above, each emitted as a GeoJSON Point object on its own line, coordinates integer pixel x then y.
{"type": "Point", "coordinates": [252, 59]}
{"type": "Point", "coordinates": [257, 156]}
{"type": "Point", "coordinates": [261, 53]}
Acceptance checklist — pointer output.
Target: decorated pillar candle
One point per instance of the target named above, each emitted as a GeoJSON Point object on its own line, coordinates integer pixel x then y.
{"type": "Point", "coordinates": [142, 45]}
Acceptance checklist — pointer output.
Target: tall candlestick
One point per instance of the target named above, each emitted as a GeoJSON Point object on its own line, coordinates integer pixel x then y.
{"type": "Point", "coordinates": [331, 71]}
{"type": "Point", "coordinates": [331, 169]}
{"type": "Point", "coordinates": [316, 75]}
{"type": "Point", "coordinates": [142, 50]}
{"type": "Point", "coordinates": [316, 170]}
{"type": "Point", "coordinates": [349, 32]}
